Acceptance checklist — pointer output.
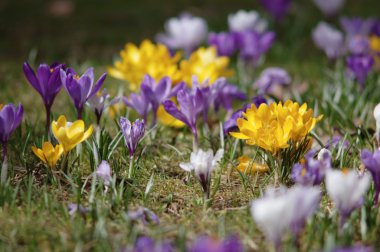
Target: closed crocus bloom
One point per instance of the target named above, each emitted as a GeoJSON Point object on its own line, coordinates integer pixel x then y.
{"type": "Point", "coordinates": [185, 32]}
{"type": "Point", "coordinates": [81, 88]}
{"type": "Point", "coordinates": [100, 102]}
{"type": "Point", "coordinates": [203, 163]}
{"type": "Point", "coordinates": [329, 39]}
{"type": "Point", "coordinates": [329, 7]}
{"type": "Point", "coordinates": [246, 21]}
{"type": "Point", "coordinates": [69, 134]}
{"type": "Point", "coordinates": [346, 189]}
{"type": "Point", "coordinates": [48, 153]}
{"type": "Point", "coordinates": [10, 118]}
{"type": "Point", "coordinates": [206, 65]}
{"type": "Point", "coordinates": [271, 77]}
{"type": "Point", "coordinates": [371, 162]}
{"type": "Point", "coordinates": [360, 66]}
{"type": "Point", "coordinates": [153, 59]}
{"type": "Point", "coordinates": [104, 172]}
{"type": "Point", "coordinates": [225, 43]}
{"type": "Point", "coordinates": [132, 132]}
{"type": "Point", "coordinates": [376, 115]}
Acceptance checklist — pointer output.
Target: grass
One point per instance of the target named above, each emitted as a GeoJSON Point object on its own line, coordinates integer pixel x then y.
{"type": "Point", "coordinates": [33, 204]}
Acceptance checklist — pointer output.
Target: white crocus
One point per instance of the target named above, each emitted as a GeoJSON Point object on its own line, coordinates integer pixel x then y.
{"type": "Point", "coordinates": [246, 21]}
{"type": "Point", "coordinates": [285, 209]}
{"type": "Point", "coordinates": [329, 7]}
{"type": "Point", "coordinates": [346, 189]}
{"type": "Point", "coordinates": [376, 114]}
{"type": "Point", "coordinates": [104, 173]}
{"type": "Point", "coordinates": [203, 163]}
{"type": "Point", "coordinates": [185, 32]}
{"type": "Point", "coordinates": [329, 39]}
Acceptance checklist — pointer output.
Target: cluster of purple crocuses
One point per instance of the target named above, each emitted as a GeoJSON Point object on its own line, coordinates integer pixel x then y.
{"type": "Point", "coordinates": [49, 80]}
{"type": "Point", "coordinates": [354, 43]}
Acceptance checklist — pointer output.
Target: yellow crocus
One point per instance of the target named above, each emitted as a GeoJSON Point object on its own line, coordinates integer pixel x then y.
{"type": "Point", "coordinates": [205, 64]}
{"type": "Point", "coordinates": [246, 165]}
{"type": "Point", "coordinates": [149, 58]}
{"type": "Point", "coordinates": [48, 153]}
{"type": "Point", "coordinates": [375, 43]}
{"type": "Point", "coordinates": [70, 135]}
{"type": "Point", "coordinates": [273, 126]}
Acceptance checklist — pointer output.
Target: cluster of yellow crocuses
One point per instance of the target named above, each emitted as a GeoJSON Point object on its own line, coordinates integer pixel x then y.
{"type": "Point", "coordinates": [68, 136]}
{"type": "Point", "coordinates": [156, 60]}
{"type": "Point", "coordinates": [273, 126]}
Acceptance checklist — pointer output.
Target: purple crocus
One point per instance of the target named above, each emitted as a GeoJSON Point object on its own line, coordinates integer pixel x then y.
{"type": "Point", "coordinates": [359, 45]}
{"type": "Point", "coordinates": [144, 215]}
{"type": "Point", "coordinates": [190, 106]}
{"type": "Point", "coordinates": [207, 243]}
{"type": "Point", "coordinates": [225, 43]}
{"type": "Point", "coordinates": [156, 93]}
{"type": "Point", "coordinates": [311, 171]}
{"type": "Point", "coordinates": [10, 119]}
{"type": "Point", "coordinates": [254, 45]}
{"type": "Point", "coordinates": [100, 102]}
{"type": "Point", "coordinates": [147, 244]}
{"type": "Point", "coordinates": [133, 132]}
{"type": "Point", "coordinates": [329, 39]}
{"type": "Point", "coordinates": [336, 142]}
{"type": "Point", "coordinates": [360, 66]}
{"type": "Point", "coordinates": [81, 88]}
{"type": "Point", "coordinates": [224, 94]}
{"type": "Point", "coordinates": [329, 7]}
{"type": "Point", "coordinates": [356, 248]}
{"type": "Point", "coordinates": [371, 162]}
{"type": "Point", "coordinates": [277, 8]}
{"type": "Point", "coordinates": [46, 82]}
{"type": "Point", "coordinates": [271, 77]}
{"type": "Point", "coordinates": [75, 208]}
{"type": "Point", "coordinates": [356, 26]}
{"type": "Point", "coordinates": [231, 123]}
{"type": "Point", "coordinates": [140, 103]}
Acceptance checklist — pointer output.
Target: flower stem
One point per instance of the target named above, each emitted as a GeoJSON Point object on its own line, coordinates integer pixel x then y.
{"type": "Point", "coordinates": [79, 113]}
{"type": "Point", "coordinates": [131, 166]}
{"type": "Point", "coordinates": [4, 167]}
{"type": "Point", "coordinates": [48, 112]}
{"type": "Point", "coordinates": [64, 163]}
{"type": "Point", "coordinates": [195, 142]}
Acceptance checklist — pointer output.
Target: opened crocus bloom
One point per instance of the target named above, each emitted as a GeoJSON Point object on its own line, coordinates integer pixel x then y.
{"type": "Point", "coordinates": [271, 127]}
{"type": "Point", "coordinates": [10, 118]}
{"type": "Point", "coordinates": [48, 153]}
{"type": "Point", "coordinates": [69, 134]}
{"type": "Point", "coordinates": [149, 58]}
{"type": "Point", "coordinates": [371, 162]}
{"type": "Point", "coordinates": [205, 64]}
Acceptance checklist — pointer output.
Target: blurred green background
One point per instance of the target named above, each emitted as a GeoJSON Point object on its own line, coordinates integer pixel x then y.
{"type": "Point", "coordinates": [97, 29]}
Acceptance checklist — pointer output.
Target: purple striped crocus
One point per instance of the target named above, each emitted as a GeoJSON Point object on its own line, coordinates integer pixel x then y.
{"type": "Point", "coordinates": [46, 82]}
{"type": "Point", "coordinates": [10, 119]}
{"type": "Point", "coordinates": [81, 88]}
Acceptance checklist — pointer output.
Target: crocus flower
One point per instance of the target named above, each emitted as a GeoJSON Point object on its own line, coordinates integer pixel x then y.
{"type": "Point", "coordinates": [247, 165]}
{"type": "Point", "coordinates": [225, 43]}
{"type": "Point", "coordinates": [185, 32]}
{"type": "Point", "coordinates": [145, 244]}
{"type": "Point", "coordinates": [329, 39]}
{"type": "Point", "coordinates": [144, 215]}
{"type": "Point", "coordinates": [360, 66]}
{"type": "Point", "coordinates": [140, 103]}
{"type": "Point", "coordinates": [203, 163]}
{"type": "Point", "coordinates": [132, 132]}
{"type": "Point", "coordinates": [70, 134]}
{"type": "Point", "coordinates": [74, 208]}
{"type": "Point", "coordinates": [356, 26]}
{"type": "Point", "coordinates": [253, 45]}
{"type": "Point", "coordinates": [81, 88]}
{"type": "Point", "coordinates": [281, 210]}
{"type": "Point", "coordinates": [100, 102]}
{"type": "Point", "coordinates": [209, 244]}
{"type": "Point", "coordinates": [246, 21]}
{"type": "Point", "coordinates": [104, 173]}
{"type": "Point", "coordinates": [46, 82]}
{"type": "Point", "coordinates": [190, 106]}
{"type": "Point", "coordinates": [48, 153]}
{"type": "Point", "coordinates": [311, 171]}
{"type": "Point", "coordinates": [356, 248]}
{"type": "Point", "coordinates": [224, 94]}
{"type": "Point", "coordinates": [335, 143]}
{"type": "Point", "coordinates": [10, 119]}
{"type": "Point", "coordinates": [376, 115]}
{"type": "Point", "coordinates": [346, 189]}
{"type": "Point", "coordinates": [156, 93]}
{"type": "Point", "coordinates": [371, 162]}
{"type": "Point", "coordinates": [329, 7]}
{"type": "Point", "coordinates": [359, 45]}
{"type": "Point", "coordinates": [277, 8]}
{"type": "Point", "coordinates": [271, 77]}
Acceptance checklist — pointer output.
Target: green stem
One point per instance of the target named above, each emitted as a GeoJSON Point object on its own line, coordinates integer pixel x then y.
{"type": "Point", "coordinates": [4, 167]}
{"type": "Point", "coordinates": [131, 166]}
{"type": "Point", "coordinates": [64, 163]}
